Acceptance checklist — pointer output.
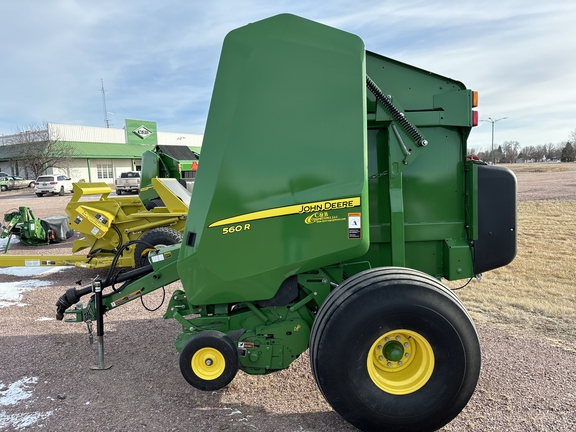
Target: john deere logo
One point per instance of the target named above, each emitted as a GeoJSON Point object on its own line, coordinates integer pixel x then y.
{"type": "Point", "coordinates": [142, 132]}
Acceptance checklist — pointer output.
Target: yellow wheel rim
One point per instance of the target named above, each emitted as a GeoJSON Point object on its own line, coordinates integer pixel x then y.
{"type": "Point", "coordinates": [208, 363]}
{"type": "Point", "coordinates": [400, 362]}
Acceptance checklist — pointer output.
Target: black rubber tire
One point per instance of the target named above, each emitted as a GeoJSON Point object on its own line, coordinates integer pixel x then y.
{"type": "Point", "coordinates": [39, 194]}
{"type": "Point", "coordinates": [225, 363]}
{"type": "Point", "coordinates": [367, 306]}
{"type": "Point", "coordinates": [31, 184]}
{"type": "Point", "coordinates": [118, 192]}
{"type": "Point", "coordinates": [61, 193]}
{"type": "Point", "coordinates": [3, 188]}
{"type": "Point", "coordinates": [155, 237]}
{"type": "Point", "coordinates": [157, 202]}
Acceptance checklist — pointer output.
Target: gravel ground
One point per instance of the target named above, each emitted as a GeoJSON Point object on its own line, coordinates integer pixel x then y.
{"type": "Point", "coordinates": [46, 382]}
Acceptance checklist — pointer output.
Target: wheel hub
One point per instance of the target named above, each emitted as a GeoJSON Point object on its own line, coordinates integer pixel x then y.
{"type": "Point", "coordinates": [208, 363]}
{"type": "Point", "coordinates": [400, 362]}
{"type": "Point", "coordinates": [393, 351]}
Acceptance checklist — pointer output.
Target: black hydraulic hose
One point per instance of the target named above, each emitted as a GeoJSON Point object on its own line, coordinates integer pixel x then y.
{"type": "Point", "coordinates": [73, 295]}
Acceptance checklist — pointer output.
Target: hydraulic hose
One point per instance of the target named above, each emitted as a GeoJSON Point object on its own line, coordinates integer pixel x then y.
{"type": "Point", "coordinates": [73, 295]}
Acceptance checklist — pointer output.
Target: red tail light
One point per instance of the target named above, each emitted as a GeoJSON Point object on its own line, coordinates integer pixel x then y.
{"type": "Point", "coordinates": [53, 182]}
{"type": "Point", "coordinates": [474, 105]}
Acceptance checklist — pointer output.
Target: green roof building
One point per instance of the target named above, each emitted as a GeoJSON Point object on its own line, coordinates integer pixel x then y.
{"type": "Point", "coordinates": [98, 154]}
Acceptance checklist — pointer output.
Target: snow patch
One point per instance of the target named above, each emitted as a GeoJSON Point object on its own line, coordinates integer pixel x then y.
{"type": "Point", "coordinates": [11, 292]}
{"type": "Point", "coordinates": [14, 394]}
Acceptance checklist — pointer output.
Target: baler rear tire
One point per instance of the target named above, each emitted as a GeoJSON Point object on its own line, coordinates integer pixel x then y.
{"type": "Point", "coordinates": [155, 237]}
{"type": "Point", "coordinates": [372, 389]}
{"type": "Point", "coordinates": [209, 360]}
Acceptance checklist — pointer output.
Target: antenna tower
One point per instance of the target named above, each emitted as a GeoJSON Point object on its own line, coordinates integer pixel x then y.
{"type": "Point", "coordinates": [104, 104]}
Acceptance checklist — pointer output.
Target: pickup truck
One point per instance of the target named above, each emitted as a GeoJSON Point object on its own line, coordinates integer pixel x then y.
{"type": "Point", "coordinates": [13, 182]}
{"type": "Point", "coordinates": [128, 182]}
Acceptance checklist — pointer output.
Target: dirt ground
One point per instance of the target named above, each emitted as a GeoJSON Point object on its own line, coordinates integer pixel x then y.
{"type": "Point", "coordinates": [46, 382]}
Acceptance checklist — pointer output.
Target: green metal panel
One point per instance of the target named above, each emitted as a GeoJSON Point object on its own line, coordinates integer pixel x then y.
{"type": "Point", "coordinates": [418, 194]}
{"type": "Point", "coordinates": [150, 169]}
{"type": "Point", "coordinates": [282, 187]}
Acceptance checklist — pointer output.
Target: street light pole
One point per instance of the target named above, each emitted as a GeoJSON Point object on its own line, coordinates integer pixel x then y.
{"type": "Point", "coordinates": [493, 121]}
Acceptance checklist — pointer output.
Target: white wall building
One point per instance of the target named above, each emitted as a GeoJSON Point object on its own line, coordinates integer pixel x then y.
{"type": "Point", "coordinates": [100, 154]}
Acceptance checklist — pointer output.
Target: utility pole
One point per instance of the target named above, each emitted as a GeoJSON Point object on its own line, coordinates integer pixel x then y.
{"type": "Point", "coordinates": [493, 121]}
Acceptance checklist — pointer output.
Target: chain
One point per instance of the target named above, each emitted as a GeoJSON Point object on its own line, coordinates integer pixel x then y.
{"type": "Point", "coordinates": [88, 321]}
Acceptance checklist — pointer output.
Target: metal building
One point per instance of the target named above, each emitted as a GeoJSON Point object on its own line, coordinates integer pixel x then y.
{"type": "Point", "coordinates": [98, 154]}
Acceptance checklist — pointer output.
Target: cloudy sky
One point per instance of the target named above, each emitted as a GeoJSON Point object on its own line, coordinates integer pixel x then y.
{"type": "Point", "coordinates": [158, 59]}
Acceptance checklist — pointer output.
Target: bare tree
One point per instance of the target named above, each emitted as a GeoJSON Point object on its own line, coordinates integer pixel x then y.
{"type": "Point", "coordinates": [510, 151]}
{"type": "Point", "coordinates": [553, 151]}
{"type": "Point", "coordinates": [568, 153]}
{"type": "Point", "coordinates": [540, 153]}
{"type": "Point", "coordinates": [40, 149]}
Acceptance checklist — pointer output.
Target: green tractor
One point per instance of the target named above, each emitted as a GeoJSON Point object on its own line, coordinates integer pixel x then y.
{"type": "Point", "coordinates": [334, 194]}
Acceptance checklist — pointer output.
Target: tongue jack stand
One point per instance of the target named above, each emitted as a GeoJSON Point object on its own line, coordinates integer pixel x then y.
{"type": "Point", "coordinates": [97, 286]}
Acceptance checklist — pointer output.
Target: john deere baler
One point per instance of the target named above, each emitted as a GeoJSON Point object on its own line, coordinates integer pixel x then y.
{"type": "Point", "coordinates": [333, 196]}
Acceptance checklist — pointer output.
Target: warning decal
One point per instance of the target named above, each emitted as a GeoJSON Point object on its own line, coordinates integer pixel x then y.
{"type": "Point", "coordinates": [354, 228]}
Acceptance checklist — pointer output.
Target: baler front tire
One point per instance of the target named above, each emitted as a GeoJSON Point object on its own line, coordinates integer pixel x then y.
{"type": "Point", "coordinates": [209, 360]}
{"type": "Point", "coordinates": [408, 355]}
{"type": "Point", "coordinates": [151, 239]}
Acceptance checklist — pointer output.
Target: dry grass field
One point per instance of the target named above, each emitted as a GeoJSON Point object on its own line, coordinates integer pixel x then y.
{"type": "Point", "coordinates": [535, 296]}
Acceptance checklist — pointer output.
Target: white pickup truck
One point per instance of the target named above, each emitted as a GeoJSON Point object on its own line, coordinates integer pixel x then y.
{"type": "Point", "coordinates": [128, 182]}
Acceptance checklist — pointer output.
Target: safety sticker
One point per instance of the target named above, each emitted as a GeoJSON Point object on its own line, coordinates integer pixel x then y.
{"type": "Point", "coordinates": [354, 225]}
{"type": "Point", "coordinates": [101, 218]}
{"type": "Point", "coordinates": [157, 258]}
{"type": "Point", "coordinates": [126, 298]}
